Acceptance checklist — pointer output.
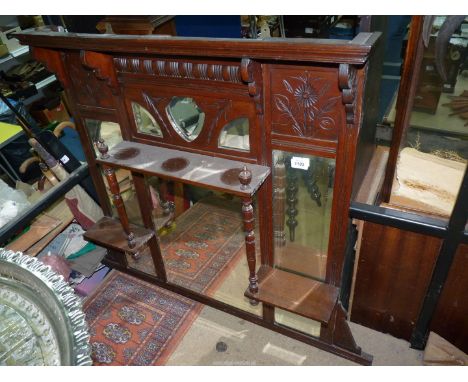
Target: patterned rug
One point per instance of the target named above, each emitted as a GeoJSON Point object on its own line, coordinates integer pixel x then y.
{"type": "Point", "coordinates": [135, 323]}
{"type": "Point", "coordinates": [206, 243]}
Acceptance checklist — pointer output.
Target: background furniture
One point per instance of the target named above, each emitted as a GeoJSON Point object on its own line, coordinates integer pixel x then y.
{"type": "Point", "coordinates": [413, 284]}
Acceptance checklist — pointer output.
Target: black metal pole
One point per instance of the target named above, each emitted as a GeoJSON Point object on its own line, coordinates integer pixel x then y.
{"type": "Point", "coordinates": [454, 236]}
{"type": "Point", "coordinates": [398, 219]}
{"type": "Point", "coordinates": [348, 266]}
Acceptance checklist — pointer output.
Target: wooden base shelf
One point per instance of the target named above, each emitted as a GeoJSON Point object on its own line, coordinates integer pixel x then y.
{"type": "Point", "coordinates": [296, 294]}
{"type": "Point", "coordinates": [108, 232]}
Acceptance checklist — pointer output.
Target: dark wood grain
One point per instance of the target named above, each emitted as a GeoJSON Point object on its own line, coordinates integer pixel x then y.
{"type": "Point", "coordinates": [394, 270]}
{"type": "Point", "coordinates": [201, 170]}
{"type": "Point", "coordinates": [296, 294]}
{"type": "Point", "coordinates": [325, 51]}
{"type": "Point", "coordinates": [144, 200]}
{"type": "Point", "coordinates": [108, 233]}
{"type": "Point", "coordinates": [451, 316]}
{"type": "Point", "coordinates": [405, 101]}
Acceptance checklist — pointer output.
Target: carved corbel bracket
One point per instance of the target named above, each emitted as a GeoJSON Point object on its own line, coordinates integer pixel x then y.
{"type": "Point", "coordinates": [102, 66]}
{"type": "Point", "coordinates": [52, 60]}
{"type": "Point", "coordinates": [347, 84]}
{"type": "Point", "coordinates": [251, 73]}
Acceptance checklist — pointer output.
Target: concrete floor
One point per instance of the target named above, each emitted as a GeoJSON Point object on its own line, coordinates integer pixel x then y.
{"type": "Point", "coordinates": [252, 345]}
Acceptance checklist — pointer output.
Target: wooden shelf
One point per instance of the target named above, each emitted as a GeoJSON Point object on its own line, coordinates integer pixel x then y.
{"type": "Point", "coordinates": [108, 233]}
{"type": "Point", "coordinates": [296, 294]}
{"type": "Point", "coordinates": [200, 170]}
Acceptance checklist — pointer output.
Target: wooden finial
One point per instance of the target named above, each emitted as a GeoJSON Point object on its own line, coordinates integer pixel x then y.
{"type": "Point", "coordinates": [245, 177]}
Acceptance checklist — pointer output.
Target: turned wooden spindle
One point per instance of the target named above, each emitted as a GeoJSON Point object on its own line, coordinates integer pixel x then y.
{"type": "Point", "coordinates": [245, 177]}
{"type": "Point", "coordinates": [109, 172]}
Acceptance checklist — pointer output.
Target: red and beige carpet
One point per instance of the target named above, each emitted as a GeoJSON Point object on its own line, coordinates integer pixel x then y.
{"type": "Point", "coordinates": [136, 323]}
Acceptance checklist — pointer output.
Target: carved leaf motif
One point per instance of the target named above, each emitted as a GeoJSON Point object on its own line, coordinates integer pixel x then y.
{"type": "Point", "coordinates": [282, 103]}
{"type": "Point", "coordinates": [329, 105]}
{"type": "Point", "coordinates": [288, 86]}
{"type": "Point", "coordinates": [324, 89]}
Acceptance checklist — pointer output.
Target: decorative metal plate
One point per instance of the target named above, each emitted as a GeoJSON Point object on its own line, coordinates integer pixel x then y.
{"type": "Point", "coordinates": [41, 318]}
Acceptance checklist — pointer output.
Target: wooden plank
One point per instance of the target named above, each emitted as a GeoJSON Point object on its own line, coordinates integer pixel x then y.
{"type": "Point", "coordinates": [317, 50]}
{"type": "Point", "coordinates": [200, 170]}
{"type": "Point", "coordinates": [41, 226]}
{"type": "Point", "coordinates": [108, 233]}
{"type": "Point", "coordinates": [440, 352]}
{"type": "Point", "coordinates": [370, 186]}
{"type": "Point", "coordinates": [450, 319]}
{"type": "Point", "coordinates": [296, 294]}
{"type": "Point", "coordinates": [394, 270]}
{"type": "Point", "coordinates": [432, 191]}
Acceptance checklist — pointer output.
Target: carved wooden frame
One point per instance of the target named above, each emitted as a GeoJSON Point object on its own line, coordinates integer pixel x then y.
{"type": "Point", "coordinates": [231, 69]}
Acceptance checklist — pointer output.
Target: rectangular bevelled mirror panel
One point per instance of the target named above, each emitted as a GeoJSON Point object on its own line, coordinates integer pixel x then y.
{"type": "Point", "coordinates": [111, 133]}
{"type": "Point", "coordinates": [302, 205]}
{"type": "Point", "coordinates": [202, 241]}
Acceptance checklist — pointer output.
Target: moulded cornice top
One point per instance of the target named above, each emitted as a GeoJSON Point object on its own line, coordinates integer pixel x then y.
{"type": "Point", "coordinates": [354, 51]}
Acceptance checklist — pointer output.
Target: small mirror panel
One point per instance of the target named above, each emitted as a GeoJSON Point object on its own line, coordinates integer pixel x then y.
{"type": "Point", "coordinates": [235, 135]}
{"type": "Point", "coordinates": [186, 117]}
{"type": "Point", "coordinates": [144, 121]}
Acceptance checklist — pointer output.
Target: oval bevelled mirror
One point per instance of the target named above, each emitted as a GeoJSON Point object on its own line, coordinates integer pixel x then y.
{"type": "Point", "coordinates": [186, 117]}
{"type": "Point", "coordinates": [144, 121]}
{"type": "Point", "coordinates": [235, 135]}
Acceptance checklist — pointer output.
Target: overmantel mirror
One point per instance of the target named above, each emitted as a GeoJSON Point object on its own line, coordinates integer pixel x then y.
{"type": "Point", "coordinates": [236, 150]}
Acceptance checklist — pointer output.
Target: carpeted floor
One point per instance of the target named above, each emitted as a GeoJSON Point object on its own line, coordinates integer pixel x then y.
{"type": "Point", "coordinates": [206, 242]}
{"type": "Point", "coordinates": [135, 323]}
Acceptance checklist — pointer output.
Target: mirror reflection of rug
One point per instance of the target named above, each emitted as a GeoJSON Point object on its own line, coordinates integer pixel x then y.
{"type": "Point", "coordinates": [208, 241]}
{"type": "Point", "coordinates": [136, 323]}
{"type": "Point", "coordinates": [133, 322]}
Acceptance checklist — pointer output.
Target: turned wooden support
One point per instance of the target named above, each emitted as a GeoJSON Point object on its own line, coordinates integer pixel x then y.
{"type": "Point", "coordinates": [245, 177]}
{"type": "Point", "coordinates": [279, 202]}
{"type": "Point", "coordinates": [115, 191]}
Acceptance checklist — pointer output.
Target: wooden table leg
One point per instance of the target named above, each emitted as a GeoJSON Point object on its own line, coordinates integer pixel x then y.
{"type": "Point", "coordinates": [245, 176]}
{"type": "Point", "coordinates": [109, 172]}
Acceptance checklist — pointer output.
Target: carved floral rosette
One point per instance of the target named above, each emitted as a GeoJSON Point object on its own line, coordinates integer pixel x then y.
{"type": "Point", "coordinates": [306, 106]}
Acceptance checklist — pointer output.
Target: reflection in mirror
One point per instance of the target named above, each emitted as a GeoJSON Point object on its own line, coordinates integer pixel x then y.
{"type": "Point", "coordinates": [186, 117]}
{"type": "Point", "coordinates": [202, 242]}
{"type": "Point", "coordinates": [235, 135]}
{"type": "Point", "coordinates": [302, 205]}
{"type": "Point", "coordinates": [437, 134]}
{"type": "Point", "coordinates": [144, 121]}
{"type": "Point", "coordinates": [108, 131]}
